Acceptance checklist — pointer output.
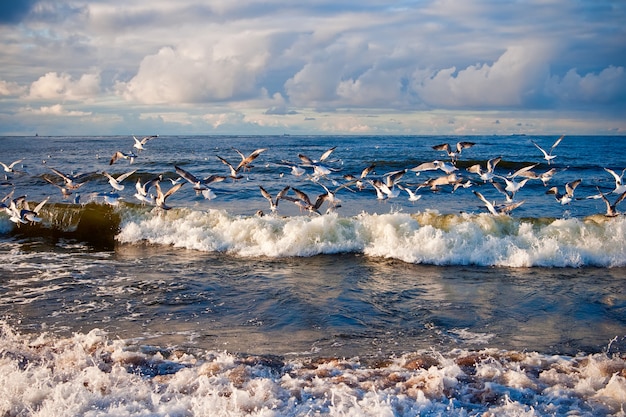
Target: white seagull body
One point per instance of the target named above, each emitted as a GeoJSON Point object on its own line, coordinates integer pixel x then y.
{"type": "Point", "coordinates": [488, 174]}
{"type": "Point", "coordinates": [569, 192]}
{"type": "Point", "coordinates": [116, 182]}
{"type": "Point", "coordinates": [140, 142]}
{"type": "Point", "coordinates": [274, 202]}
{"type": "Point", "coordinates": [620, 187]}
{"type": "Point", "coordinates": [9, 168]}
{"type": "Point", "coordinates": [611, 210]}
{"type": "Point", "coordinates": [161, 197]}
{"type": "Point", "coordinates": [548, 155]}
{"type": "Point", "coordinates": [454, 155]}
{"type": "Point", "coordinates": [122, 155]}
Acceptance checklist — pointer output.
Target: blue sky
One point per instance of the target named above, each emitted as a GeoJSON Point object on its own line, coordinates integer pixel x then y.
{"type": "Point", "coordinates": [451, 67]}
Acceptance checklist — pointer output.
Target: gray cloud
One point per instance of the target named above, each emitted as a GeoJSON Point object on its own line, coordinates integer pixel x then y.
{"type": "Point", "coordinates": [226, 64]}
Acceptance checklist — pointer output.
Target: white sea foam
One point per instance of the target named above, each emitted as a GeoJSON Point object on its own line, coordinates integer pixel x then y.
{"type": "Point", "coordinates": [92, 375]}
{"type": "Point", "coordinates": [427, 237]}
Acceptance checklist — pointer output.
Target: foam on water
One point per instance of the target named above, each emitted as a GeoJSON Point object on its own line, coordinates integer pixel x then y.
{"type": "Point", "coordinates": [426, 237]}
{"type": "Point", "coordinates": [92, 375]}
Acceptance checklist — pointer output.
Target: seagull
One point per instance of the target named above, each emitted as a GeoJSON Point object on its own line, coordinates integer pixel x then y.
{"type": "Point", "coordinates": [330, 196]}
{"type": "Point", "coordinates": [611, 210]}
{"type": "Point", "coordinates": [234, 172]}
{"type": "Point", "coordinates": [490, 206]}
{"type": "Point", "coordinates": [296, 171]}
{"type": "Point", "coordinates": [569, 192]}
{"type": "Point", "coordinates": [161, 197]}
{"type": "Point", "coordinates": [20, 213]}
{"type": "Point", "coordinates": [454, 156]}
{"type": "Point", "coordinates": [111, 198]}
{"type": "Point", "coordinates": [509, 196]}
{"type": "Point", "coordinates": [310, 161]}
{"type": "Point", "coordinates": [498, 209]}
{"type": "Point", "coordinates": [413, 196]}
{"type": "Point", "coordinates": [122, 155]}
{"type": "Point", "coordinates": [359, 180]}
{"type": "Point", "coordinates": [446, 167]}
{"type": "Point", "coordinates": [319, 169]}
{"type": "Point", "coordinates": [70, 179]}
{"type": "Point", "coordinates": [274, 203]}
{"type": "Point", "coordinates": [513, 186]}
{"type": "Point", "coordinates": [435, 183]}
{"type": "Point", "coordinates": [383, 190]}
{"type": "Point", "coordinates": [620, 187]}
{"type": "Point", "coordinates": [198, 184]}
{"type": "Point", "coordinates": [5, 198]}
{"type": "Point", "coordinates": [304, 202]}
{"type": "Point", "coordinates": [544, 177]}
{"type": "Point", "coordinates": [486, 176]}
{"type": "Point", "coordinates": [115, 182]}
{"type": "Point", "coordinates": [246, 160]}
{"type": "Point", "coordinates": [548, 155]}
{"type": "Point", "coordinates": [142, 190]}
{"type": "Point", "coordinates": [9, 168]}
{"type": "Point", "coordinates": [65, 191]}
{"type": "Point", "coordinates": [520, 172]}
{"type": "Point", "coordinates": [140, 142]}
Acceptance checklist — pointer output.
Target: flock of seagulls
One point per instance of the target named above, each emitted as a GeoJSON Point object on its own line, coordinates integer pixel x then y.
{"type": "Point", "coordinates": [441, 173]}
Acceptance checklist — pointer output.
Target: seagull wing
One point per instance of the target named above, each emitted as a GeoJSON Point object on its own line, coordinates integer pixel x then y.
{"type": "Point", "coordinates": [491, 164]}
{"type": "Point", "coordinates": [265, 194]}
{"type": "Point", "coordinates": [117, 155]}
{"type": "Point", "coordinates": [282, 193]}
{"type": "Point", "coordinates": [305, 159]}
{"type": "Point", "coordinates": [186, 175]}
{"type": "Point", "coordinates": [556, 143]}
{"type": "Point", "coordinates": [367, 170]}
{"type": "Point", "coordinates": [426, 166]}
{"type": "Point", "coordinates": [618, 179]}
{"type": "Point", "coordinates": [442, 147]}
{"type": "Point", "coordinates": [172, 190]}
{"type": "Point", "coordinates": [327, 153]}
{"type": "Point", "coordinates": [619, 199]}
{"type": "Point", "coordinates": [487, 203]}
{"type": "Point", "coordinates": [126, 175]}
{"type": "Point", "coordinates": [571, 186]}
{"type": "Point", "coordinates": [246, 160]}
{"type": "Point", "coordinates": [464, 145]}
{"type": "Point", "coordinates": [301, 195]}
{"type": "Point", "coordinates": [545, 154]}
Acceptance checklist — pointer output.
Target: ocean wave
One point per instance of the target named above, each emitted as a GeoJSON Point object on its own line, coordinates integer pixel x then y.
{"type": "Point", "coordinates": [426, 237]}
{"type": "Point", "coordinates": [91, 374]}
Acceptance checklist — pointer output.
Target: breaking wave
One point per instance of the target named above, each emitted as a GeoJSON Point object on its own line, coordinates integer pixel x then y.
{"type": "Point", "coordinates": [93, 375]}
{"type": "Point", "coordinates": [426, 237]}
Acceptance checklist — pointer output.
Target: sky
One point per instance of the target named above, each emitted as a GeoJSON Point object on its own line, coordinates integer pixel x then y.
{"type": "Point", "coordinates": [367, 67]}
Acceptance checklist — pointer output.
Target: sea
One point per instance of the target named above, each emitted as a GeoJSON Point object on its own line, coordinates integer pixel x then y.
{"type": "Point", "coordinates": [367, 304]}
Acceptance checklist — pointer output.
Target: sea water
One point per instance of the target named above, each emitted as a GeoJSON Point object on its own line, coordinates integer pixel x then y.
{"type": "Point", "coordinates": [392, 307]}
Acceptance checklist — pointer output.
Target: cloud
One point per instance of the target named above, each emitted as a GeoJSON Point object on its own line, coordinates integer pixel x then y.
{"type": "Point", "coordinates": [54, 86]}
{"type": "Point", "coordinates": [516, 79]}
{"type": "Point", "coordinates": [57, 110]}
{"type": "Point", "coordinates": [607, 86]}
{"type": "Point", "coordinates": [195, 73]}
{"type": "Point", "coordinates": [248, 64]}
{"type": "Point", "coordinates": [11, 88]}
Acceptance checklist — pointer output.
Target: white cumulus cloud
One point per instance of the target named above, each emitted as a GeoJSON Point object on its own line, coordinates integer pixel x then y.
{"type": "Point", "coordinates": [515, 79]}
{"type": "Point", "coordinates": [54, 86]}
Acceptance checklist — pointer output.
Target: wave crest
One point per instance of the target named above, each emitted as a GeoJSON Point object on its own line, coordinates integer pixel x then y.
{"type": "Point", "coordinates": [427, 237]}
